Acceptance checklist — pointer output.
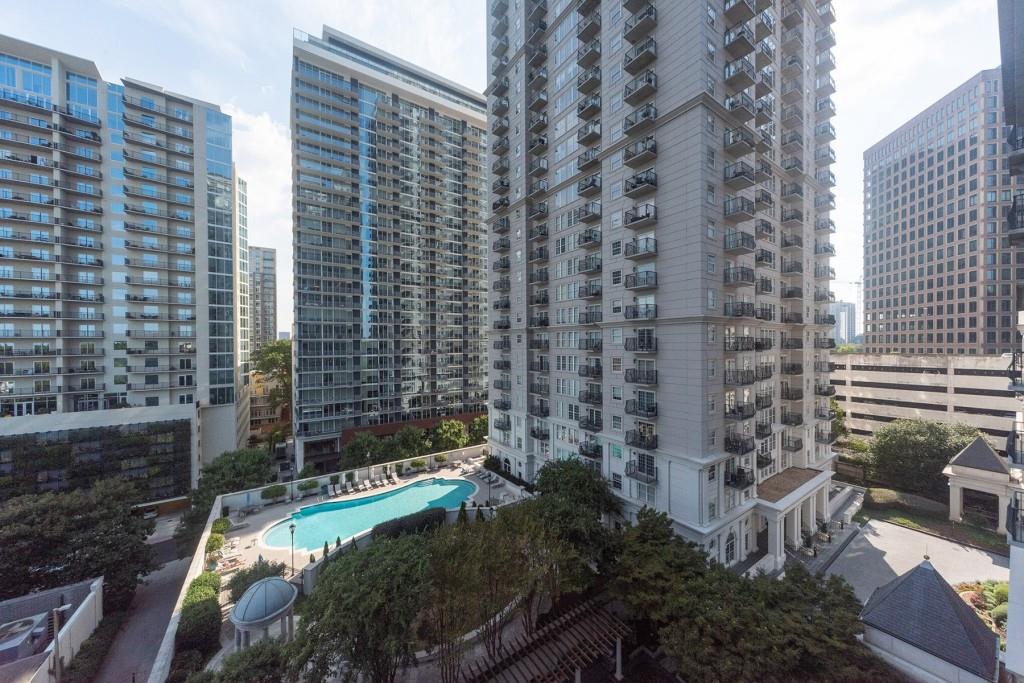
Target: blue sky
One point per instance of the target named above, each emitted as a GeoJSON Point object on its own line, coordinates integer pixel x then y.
{"type": "Point", "coordinates": [894, 57]}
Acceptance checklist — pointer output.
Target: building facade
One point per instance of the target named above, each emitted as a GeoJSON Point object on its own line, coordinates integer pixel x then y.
{"type": "Point", "coordinates": [118, 282]}
{"type": "Point", "coordinates": [262, 296]}
{"type": "Point", "coordinates": [876, 389]}
{"type": "Point", "coordinates": [939, 272]}
{"type": "Point", "coordinates": [661, 189]}
{"type": "Point", "coordinates": [389, 257]}
{"type": "Point", "coordinates": [1011, 41]}
{"type": "Point", "coordinates": [845, 329]}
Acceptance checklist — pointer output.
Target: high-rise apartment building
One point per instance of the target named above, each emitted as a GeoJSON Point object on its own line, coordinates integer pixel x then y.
{"type": "Point", "coordinates": [1011, 132]}
{"type": "Point", "coordinates": [660, 257]}
{"type": "Point", "coordinates": [845, 313]}
{"type": "Point", "coordinates": [118, 270]}
{"type": "Point", "coordinates": [390, 300]}
{"type": "Point", "coordinates": [263, 296]}
{"type": "Point", "coordinates": [939, 273]}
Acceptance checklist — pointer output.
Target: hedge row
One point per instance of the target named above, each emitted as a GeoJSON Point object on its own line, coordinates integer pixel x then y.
{"type": "Point", "coordinates": [410, 524]}
{"type": "Point", "coordinates": [90, 656]}
{"type": "Point", "coordinates": [198, 634]}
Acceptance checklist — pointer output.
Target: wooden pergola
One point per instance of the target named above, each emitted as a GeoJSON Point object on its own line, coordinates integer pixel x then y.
{"type": "Point", "coordinates": [560, 650]}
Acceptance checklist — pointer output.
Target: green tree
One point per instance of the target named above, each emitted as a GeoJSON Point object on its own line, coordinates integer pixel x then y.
{"type": "Point", "coordinates": [449, 435]}
{"type": "Point", "coordinates": [847, 348]}
{"type": "Point", "coordinates": [363, 449]}
{"type": "Point", "coordinates": [263, 662]}
{"type": "Point", "coordinates": [53, 539]}
{"type": "Point", "coordinates": [478, 430]}
{"type": "Point", "coordinates": [580, 484]}
{"type": "Point", "coordinates": [243, 578]}
{"type": "Point", "coordinates": [451, 592]}
{"type": "Point", "coordinates": [363, 612]}
{"type": "Point", "coordinates": [232, 471]}
{"type": "Point", "coordinates": [274, 361]}
{"type": "Point", "coordinates": [838, 418]}
{"type": "Point", "coordinates": [409, 442]}
{"type": "Point", "coordinates": [909, 455]}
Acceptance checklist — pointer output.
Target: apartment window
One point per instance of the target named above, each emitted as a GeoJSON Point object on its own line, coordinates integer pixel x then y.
{"type": "Point", "coordinates": [615, 451]}
{"type": "Point", "coordinates": [710, 399]}
{"type": "Point", "coordinates": [709, 157]}
{"type": "Point", "coordinates": [616, 247]}
{"type": "Point", "coordinates": [616, 393]}
{"type": "Point", "coordinates": [616, 335]}
{"type": "Point", "coordinates": [616, 277]}
{"type": "Point", "coordinates": [710, 52]}
{"type": "Point", "coordinates": [617, 423]}
{"type": "Point", "coordinates": [711, 369]}
{"type": "Point", "coordinates": [711, 230]}
{"type": "Point", "coordinates": [616, 364]}
{"type": "Point", "coordinates": [712, 514]}
{"type": "Point", "coordinates": [710, 334]}
{"type": "Point", "coordinates": [712, 298]}
{"type": "Point", "coordinates": [617, 481]}
{"type": "Point", "coordinates": [711, 263]}
{"type": "Point", "coordinates": [712, 440]}
{"type": "Point", "coordinates": [710, 193]}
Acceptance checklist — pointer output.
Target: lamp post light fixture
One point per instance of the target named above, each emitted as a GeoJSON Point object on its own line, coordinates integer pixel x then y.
{"type": "Point", "coordinates": [291, 528]}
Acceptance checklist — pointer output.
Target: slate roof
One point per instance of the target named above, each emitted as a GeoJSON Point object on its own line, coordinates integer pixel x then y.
{"type": "Point", "coordinates": [978, 455]}
{"type": "Point", "coordinates": [921, 609]}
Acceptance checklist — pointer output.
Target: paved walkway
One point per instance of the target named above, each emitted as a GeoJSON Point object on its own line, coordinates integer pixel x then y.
{"type": "Point", "coordinates": [136, 644]}
{"type": "Point", "coordinates": [883, 551]}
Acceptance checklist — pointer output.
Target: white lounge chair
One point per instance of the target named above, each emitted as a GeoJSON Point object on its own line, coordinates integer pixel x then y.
{"type": "Point", "coordinates": [348, 487]}
{"type": "Point", "coordinates": [393, 477]}
{"type": "Point", "coordinates": [367, 485]}
{"type": "Point", "coordinates": [498, 484]}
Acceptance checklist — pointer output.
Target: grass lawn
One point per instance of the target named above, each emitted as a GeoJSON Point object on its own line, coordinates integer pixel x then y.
{"type": "Point", "coordinates": [953, 531]}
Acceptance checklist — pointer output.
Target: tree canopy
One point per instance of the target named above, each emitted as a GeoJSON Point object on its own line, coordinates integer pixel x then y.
{"type": "Point", "coordinates": [909, 455]}
{"type": "Point", "coordinates": [274, 361]}
{"type": "Point", "coordinates": [477, 430]}
{"type": "Point", "coordinates": [449, 435]}
{"type": "Point", "coordinates": [53, 539]}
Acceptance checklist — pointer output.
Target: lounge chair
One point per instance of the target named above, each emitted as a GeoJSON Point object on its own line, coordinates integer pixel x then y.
{"type": "Point", "coordinates": [498, 484]}
{"type": "Point", "coordinates": [394, 478]}
{"type": "Point", "coordinates": [348, 487]}
{"type": "Point", "coordinates": [380, 480]}
{"type": "Point", "coordinates": [367, 485]}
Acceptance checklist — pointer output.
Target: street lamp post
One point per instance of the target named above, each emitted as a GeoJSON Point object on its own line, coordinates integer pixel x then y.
{"type": "Point", "coordinates": [291, 528]}
{"type": "Point", "coordinates": [58, 668]}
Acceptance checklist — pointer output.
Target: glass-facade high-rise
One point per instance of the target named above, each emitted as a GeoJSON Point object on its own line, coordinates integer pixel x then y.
{"type": "Point", "coordinates": [388, 245]}
{"type": "Point", "coordinates": [117, 287]}
{"type": "Point", "coordinates": [263, 291]}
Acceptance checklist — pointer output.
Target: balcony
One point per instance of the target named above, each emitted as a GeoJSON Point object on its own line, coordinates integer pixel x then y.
{"type": "Point", "coordinates": [539, 433]}
{"type": "Point", "coordinates": [499, 8]}
{"type": "Point", "coordinates": [640, 120]}
{"type": "Point", "coordinates": [537, 55]}
{"type": "Point", "coordinates": [589, 344]}
{"type": "Point", "coordinates": [591, 424]}
{"type": "Point", "coordinates": [589, 80]}
{"type": "Point", "coordinates": [824, 436]}
{"type": "Point", "coordinates": [640, 152]}
{"type": "Point", "coordinates": [738, 276]}
{"type": "Point", "coordinates": [824, 155]}
{"type": "Point", "coordinates": [740, 74]}
{"type": "Point", "coordinates": [792, 444]}
{"type": "Point", "coordinates": [537, 211]}
{"type": "Point", "coordinates": [739, 444]}
{"type": "Point", "coordinates": [1015, 219]}
{"type": "Point", "coordinates": [825, 342]}
{"type": "Point", "coordinates": [539, 298]}
{"type": "Point", "coordinates": [739, 175]}
{"type": "Point", "coordinates": [645, 377]}
{"type": "Point", "coordinates": [824, 390]}
{"type": "Point", "coordinates": [739, 478]}
{"type": "Point", "coordinates": [588, 106]}
{"type": "Point", "coordinates": [740, 411]}
{"type": "Point", "coordinates": [536, 189]}
{"type": "Point", "coordinates": [640, 55]}
{"type": "Point", "coordinates": [500, 125]}
{"type": "Point", "coordinates": [590, 370]}
{"type": "Point", "coordinates": [792, 216]}
{"type": "Point", "coordinates": [739, 308]}
{"type": "Point", "coordinates": [500, 186]}
{"type": "Point", "coordinates": [640, 312]}
{"type": "Point", "coordinates": [588, 27]}
{"type": "Point", "coordinates": [790, 418]}
{"type": "Point", "coordinates": [502, 365]}
{"type": "Point", "coordinates": [647, 279]}
{"type": "Point", "coordinates": [504, 423]}
{"type": "Point", "coordinates": [538, 345]}
{"type": "Point", "coordinates": [538, 144]}
{"type": "Point", "coordinates": [642, 472]}
{"type": "Point", "coordinates": [825, 62]}
{"type": "Point", "coordinates": [590, 158]}
{"type": "Point", "coordinates": [539, 254]}
{"type": "Point", "coordinates": [589, 132]}
{"type": "Point", "coordinates": [538, 77]}
{"type": "Point", "coordinates": [589, 186]}
{"type": "Point", "coordinates": [739, 41]}
{"type": "Point", "coordinates": [644, 247]}
{"type": "Point", "coordinates": [499, 47]}
{"type": "Point", "coordinates": [502, 384]}
{"type": "Point", "coordinates": [588, 54]}
{"type": "Point", "coordinates": [539, 231]}
{"type": "Point", "coordinates": [590, 212]}
{"type": "Point", "coordinates": [640, 184]}
{"type": "Point", "coordinates": [640, 24]}
{"type": "Point", "coordinates": [501, 264]}
{"type": "Point", "coordinates": [738, 209]}
{"type": "Point", "coordinates": [590, 264]}
{"type": "Point", "coordinates": [737, 11]}
{"type": "Point", "coordinates": [591, 397]}
{"type": "Point", "coordinates": [737, 344]}
{"type": "Point", "coordinates": [739, 378]}
{"type": "Point", "coordinates": [739, 243]}
{"type": "Point", "coordinates": [640, 88]}
{"type": "Point", "coordinates": [741, 106]}
{"type": "Point", "coordinates": [538, 410]}
{"type": "Point", "coordinates": [641, 408]}
{"type": "Point", "coordinates": [591, 237]}
{"type": "Point", "coordinates": [538, 167]}
{"type": "Point", "coordinates": [641, 344]}
{"type": "Point", "coordinates": [502, 345]}
{"type": "Point", "coordinates": [590, 449]}
{"type": "Point", "coordinates": [739, 141]}
{"type": "Point", "coordinates": [824, 225]}
{"type": "Point", "coordinates": [644, 440]}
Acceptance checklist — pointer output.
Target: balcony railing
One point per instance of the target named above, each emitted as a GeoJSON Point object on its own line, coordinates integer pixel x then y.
{"type": "Point", "coordinates": [739, 444]}
{"type": "Point", "coordinates": [641, 409]}
{"type": "Point", "coordinates": [739, 478]}
{"type": "Point", "coordinates": [642, 472]}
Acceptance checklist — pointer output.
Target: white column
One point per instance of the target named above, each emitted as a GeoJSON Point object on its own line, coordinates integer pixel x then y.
{"type": "Point", "coordinates": [812, 512]}
{"type": "Point", "coordinates": [956, 502]}
{"type": "Point", "coordinates": [775, 536]}
{"type": "Point", "coordinates": [1004, 502]}
{"type": "Point", "coordinates": [238, 639]}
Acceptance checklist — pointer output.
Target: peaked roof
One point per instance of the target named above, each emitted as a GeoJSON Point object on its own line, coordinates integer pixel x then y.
{"type": "Point", "coordinates": [921, 609]}
{"type": "Point", "coordinates": [978, 455]}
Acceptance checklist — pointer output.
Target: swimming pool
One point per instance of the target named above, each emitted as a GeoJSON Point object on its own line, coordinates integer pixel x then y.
{"type": "Point", "coordinates": [345, 518]}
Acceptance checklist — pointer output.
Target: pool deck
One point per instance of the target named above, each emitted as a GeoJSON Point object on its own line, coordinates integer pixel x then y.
{"type": "Point", "coordinates": [247, 537]}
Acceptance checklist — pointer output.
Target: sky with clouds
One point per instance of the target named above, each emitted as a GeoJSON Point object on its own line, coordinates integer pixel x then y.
{"type": "Point", "coordinates": [895, 57]}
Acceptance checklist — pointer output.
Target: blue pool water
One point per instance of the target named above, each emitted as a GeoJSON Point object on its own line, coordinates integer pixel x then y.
{"type": "Point", "coordinates": [327, 521]}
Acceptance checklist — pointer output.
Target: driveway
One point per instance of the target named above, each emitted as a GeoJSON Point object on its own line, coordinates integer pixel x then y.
{"type": "Point", "coordinates": [883, 551]}
{"type": "Point", "coordinates": [134, 649]}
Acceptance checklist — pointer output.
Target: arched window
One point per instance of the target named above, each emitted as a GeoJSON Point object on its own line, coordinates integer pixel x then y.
{"type": "Point", "coordinates": [730, 548]}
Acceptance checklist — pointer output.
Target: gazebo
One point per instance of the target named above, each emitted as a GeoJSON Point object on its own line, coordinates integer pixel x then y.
{"type": "Point", "coordinates": [978, 468]}
{"type": "Point", "coordinates": [266, 601]}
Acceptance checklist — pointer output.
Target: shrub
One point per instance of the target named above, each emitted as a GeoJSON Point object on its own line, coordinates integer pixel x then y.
{"type": "Point", "coordinates": [214, 543]}
{"type": "Point", "coordinates": [90, 656]}
{"type": "Point", "coordinates": [999, 613]}
{"type": "Point", "coordinates": [997, 593]}
{"type": "Point", "coordinates": [440, 458]}
{"type": "Point", "coordinates": [199, 627]}
{"type": "Point", "coordinates": [196, 593]}
{"type": "Point", "coordinates": [243, 578]}
{"type": "Point", "coordinates": [335, 478]}
{"type": "Point", "coordinates": [274, 491]}
{"type": "Point", "coordinates": [264, 662]}
{"type": "Point", "coordinates": [308, 485]}
{"type": "Point", "coordinates": [185, 662]}
{"type": "Point", "coordinates": [418, 463]}
{"type": "Point", "coordinates": [202, 677]}
{"type": "Point", "coordinates": [414, 523]}
{"type": "Point", "coordinates": [211, 579]}
{"type": "Point", "coordinates": [221, 525]}
{"type": "Point", "coordinates": [889, 499]}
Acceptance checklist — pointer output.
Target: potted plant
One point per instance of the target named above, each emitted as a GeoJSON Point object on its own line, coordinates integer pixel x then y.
{"type": "Point", "coordinates": [335, 478]}
{"type": "Point", "coordinates": [418, 464]}
{"type": "Point", "coordinates": [307, 487]}
{"type": "Point", "coordinates": [440, 458]}
{"type": "Point", "coordinates": [274, 493]}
